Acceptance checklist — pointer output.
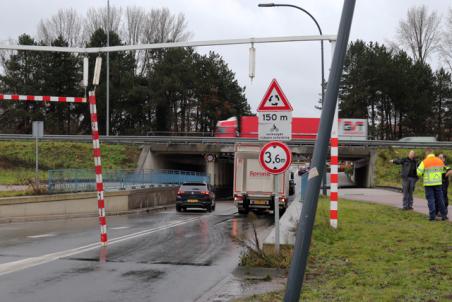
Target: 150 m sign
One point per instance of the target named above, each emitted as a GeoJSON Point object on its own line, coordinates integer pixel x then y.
{"type": "Point", "coordinates": [274, 117]}
{"type": "Point", "coordinates": [275, 157]}
{"type": "Point", "coordinates": [275, 126]}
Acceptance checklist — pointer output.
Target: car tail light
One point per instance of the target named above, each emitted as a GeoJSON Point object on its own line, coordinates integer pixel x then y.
{"type": "Point", "coordinates": [238, 197]}
{"type": "Point", "coordinates": [283, 199]}
{"type": "Point", "coordinates": [205, 192]}
{"type": "Point", "coordinates": [180, 192]}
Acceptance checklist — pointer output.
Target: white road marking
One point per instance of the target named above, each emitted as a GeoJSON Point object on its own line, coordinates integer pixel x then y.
{"type": "Point", "coordinates": [14, 266]}
{"type": "Point", "coordinates": [42, 236]}
{"type": "Point", "coordinates": [119, 228]}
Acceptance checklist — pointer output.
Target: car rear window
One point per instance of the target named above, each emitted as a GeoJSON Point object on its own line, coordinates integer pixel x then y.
{"type": "Point", "coordinates": [200, 187]}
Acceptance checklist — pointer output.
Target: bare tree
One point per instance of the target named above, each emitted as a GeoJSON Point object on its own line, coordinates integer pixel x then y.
{"type": "Point", "coordinates": [97, 18]}
{"type": "Point", "coordinates": [446, 45]}
{"type": "Point", "coordinates": [66, 23]}
{"type": "Point", "coordinates": [134, 23]}
{"type": "Point", "coordinates": [162, 26]}
{"type": "Point", "coordinates": [419, 32]}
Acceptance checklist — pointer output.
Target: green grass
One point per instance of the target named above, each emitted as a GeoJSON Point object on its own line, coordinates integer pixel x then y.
{"type": "Point", "coordinates": [17, 158]}
{"type": "Point", "coordinates": [388, 174]}
{"type": "Point", "coordinates": [378, 253]}
{"type": "Point", "coordinates": [15, 193]}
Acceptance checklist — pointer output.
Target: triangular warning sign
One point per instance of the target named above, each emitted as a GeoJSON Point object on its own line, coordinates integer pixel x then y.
{"type": "Point", "coordinates": [274, 99]}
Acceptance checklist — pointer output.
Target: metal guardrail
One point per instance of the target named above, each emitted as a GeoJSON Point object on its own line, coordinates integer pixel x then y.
{"type": "Point", "coordinates": [217, 140]}
{"type": "Point", "coordinates": [84, 180]}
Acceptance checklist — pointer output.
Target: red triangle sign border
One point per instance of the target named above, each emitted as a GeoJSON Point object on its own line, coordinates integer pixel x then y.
{"type": "Point", "coordinates": [274, 85]}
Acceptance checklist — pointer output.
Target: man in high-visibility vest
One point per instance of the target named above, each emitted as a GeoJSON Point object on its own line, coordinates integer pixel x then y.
{"type": "Point", "coordinates": [432, 169]}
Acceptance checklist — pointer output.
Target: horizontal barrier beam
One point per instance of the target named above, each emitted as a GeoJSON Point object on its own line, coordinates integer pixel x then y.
{"type": "Point", "coordinates": [223, 141]}
{"type": "Point", "coordinates": [44, 98]}
{"type": "Point", "coordinates": [172, 44]}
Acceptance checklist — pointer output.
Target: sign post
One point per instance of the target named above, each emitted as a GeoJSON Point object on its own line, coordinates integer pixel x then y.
{"type": "Point", "coordinates": [275, 124]}
{"type": "Point", "coordinates": [38, 132]}
{"type": "Point", "coordinates": [275, 157]}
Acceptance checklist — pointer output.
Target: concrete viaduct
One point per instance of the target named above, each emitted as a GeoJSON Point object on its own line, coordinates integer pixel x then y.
{"type": "Point", "coordinates": [193, 157]}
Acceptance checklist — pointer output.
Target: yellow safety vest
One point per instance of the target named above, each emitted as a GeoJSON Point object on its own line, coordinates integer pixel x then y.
{"type": "Point", "coordinates": [431, 168]}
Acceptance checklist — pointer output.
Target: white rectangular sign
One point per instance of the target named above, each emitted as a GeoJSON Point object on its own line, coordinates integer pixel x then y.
{"type": "Point", "coordinates": [275, 126]}
{"type": "Point", "coordinates": [38, 129]}
{"type": "Point", "coordinates": [353, 129]}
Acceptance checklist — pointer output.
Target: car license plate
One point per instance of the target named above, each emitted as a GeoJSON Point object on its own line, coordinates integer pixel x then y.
{"type": "Point", "coordinates": [192, 200]}
{"type": "Point", "coordinates": [260, 202]}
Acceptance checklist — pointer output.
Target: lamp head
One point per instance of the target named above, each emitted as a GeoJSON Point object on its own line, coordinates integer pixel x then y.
{"type": "Point", "coordinates": [266, 5]}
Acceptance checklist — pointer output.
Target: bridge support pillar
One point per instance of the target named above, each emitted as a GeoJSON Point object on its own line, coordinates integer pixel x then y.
{"type": "Point", "coordinates": [147, 160]}
{"type": "Point", "coordinates": [370, 179]}
{"type": "Point", "coordinates": [211, 170]}
{"type": "Point", "coordinates": [220, 173]}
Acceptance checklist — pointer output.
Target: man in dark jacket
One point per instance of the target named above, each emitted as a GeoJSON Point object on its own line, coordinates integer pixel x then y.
{"type": "Point", "coordinates": [409, 178]}
{"type": "Point", "coordinates": [446, 174]}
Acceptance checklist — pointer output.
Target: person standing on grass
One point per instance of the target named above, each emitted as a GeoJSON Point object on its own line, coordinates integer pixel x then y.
{"type": "Point", "coordinates": [409, 178]}
{"type": "Point", "coordinates": [432, 169]}
{"type": "Point", "coordinates": [446, 174]}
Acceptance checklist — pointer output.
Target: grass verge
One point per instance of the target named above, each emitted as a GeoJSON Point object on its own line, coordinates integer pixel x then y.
{"type": "Point", "coordinates": [17, 158]}
{"type": "Point", "coordinates": [379, 253]}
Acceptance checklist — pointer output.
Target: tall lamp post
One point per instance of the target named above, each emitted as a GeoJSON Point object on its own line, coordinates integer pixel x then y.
{"type": "Point", "coordinates": [322, 56]}
{"type": "Point", "coordinates": [107, 126]}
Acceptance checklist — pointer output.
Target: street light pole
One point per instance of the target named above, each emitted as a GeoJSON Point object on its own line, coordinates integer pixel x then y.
{"type": "Point", "coordinates": [107, 126]}
{"type": "Point", "coordinates": [309, 209]}
{"type": "Point", "coordinates": [322, 59]}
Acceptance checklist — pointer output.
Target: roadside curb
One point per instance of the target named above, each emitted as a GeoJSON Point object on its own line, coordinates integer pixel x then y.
{"type": "Point", "coordinates": [390, 188]}
{"type": "Point", "coordinates": [81, 215]}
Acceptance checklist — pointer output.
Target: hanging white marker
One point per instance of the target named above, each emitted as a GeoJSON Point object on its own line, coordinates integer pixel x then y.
{"type": "Point", "coordinates": [252, 62]}
{"type": "Point", "coordinates": [85, 72]}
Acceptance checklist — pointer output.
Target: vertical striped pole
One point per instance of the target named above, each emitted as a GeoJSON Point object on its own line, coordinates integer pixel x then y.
{"type": "Point", "coordinates": [334, 176]}
{"type": "Point", "coordinates": [98, 167]}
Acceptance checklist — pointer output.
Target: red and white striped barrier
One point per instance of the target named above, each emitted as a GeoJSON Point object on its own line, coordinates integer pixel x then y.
{"type": "Point", "coordinates": [334, 172]}
{"type": "Point", "coordinates": [98, 168]}
{"type": "Point", "coordinates": [44, 98]}
{"type": "Point", "coordinates": [96, 145]}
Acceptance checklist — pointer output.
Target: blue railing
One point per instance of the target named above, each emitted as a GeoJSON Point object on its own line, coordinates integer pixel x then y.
{"type": "Point", "coordinates": [84, 180]}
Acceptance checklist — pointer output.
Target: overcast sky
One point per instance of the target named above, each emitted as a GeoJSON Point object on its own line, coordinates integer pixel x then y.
{"type": "Point", "coordinates": [296, 66]}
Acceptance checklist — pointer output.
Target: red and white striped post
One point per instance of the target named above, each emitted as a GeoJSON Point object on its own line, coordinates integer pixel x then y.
{"type": "Point", "coordinates": [44, 98]}
{"type": "Point", "coordinates": [98, 168]}
{"type": "Point", "coordinates": [334, 171]}
{"type": "Point", "coordinates": [96, 144]}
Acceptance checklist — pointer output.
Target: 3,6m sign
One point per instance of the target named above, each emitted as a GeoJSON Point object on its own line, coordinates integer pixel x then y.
{"type": "Point", "coordinates": [275, 157]}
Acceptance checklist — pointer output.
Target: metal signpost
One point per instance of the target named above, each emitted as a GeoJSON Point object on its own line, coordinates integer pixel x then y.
{"type": "Point", "coordinates": [275, 157]}
{"type": "Point", "coordinates": [38, 132]}
{"type": "Point", "coordinates": [275, 124]}
{"type": "Point", "coordinates": [304, 232]}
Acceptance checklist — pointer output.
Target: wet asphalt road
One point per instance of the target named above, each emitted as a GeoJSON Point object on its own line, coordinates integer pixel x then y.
{"type": "Point", "coordinates": [161, 256]}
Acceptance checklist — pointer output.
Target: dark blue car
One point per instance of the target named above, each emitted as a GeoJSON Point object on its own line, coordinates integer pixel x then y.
{"type": "Point", "coordinates": [195, 195]}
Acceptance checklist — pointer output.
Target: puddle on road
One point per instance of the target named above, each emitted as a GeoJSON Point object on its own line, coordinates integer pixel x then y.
{"type": "Point", "coordinates": [144, 275]}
